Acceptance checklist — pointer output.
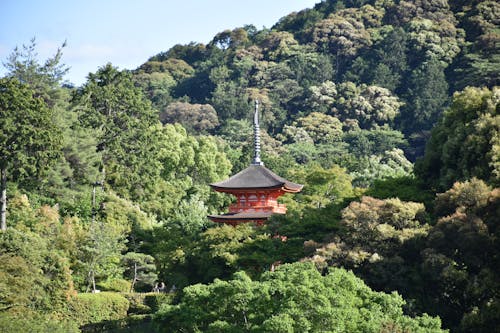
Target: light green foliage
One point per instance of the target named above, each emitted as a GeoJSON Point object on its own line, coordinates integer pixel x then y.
{"type": "Point", "coordinates": [34, 275]}
{"type": "Point", "coordinates": [45, 79]}
{"type": "Point", "coordinates": [341, 35]}
{"type": "Point", "coordinates": [278, 45]}
{"type": "Point", "coordinates": [322, 186]}
{"type": "Point", "coordinates": [35, 323]}
{"type": "Point", "coordinates": [322, 128]}
{"type": "Point", "coordinates": [466, 142]}
{"type": "Point", "coordinates": [94, 308]}
{"type": "Point", "coordinates": [294, 298]}
{"type": "Point", "coordinates": [391, 164]}
{"type": "Point", "coordinates": [435, 40]}
{"type": "Point", "coordinates": [364, 106]}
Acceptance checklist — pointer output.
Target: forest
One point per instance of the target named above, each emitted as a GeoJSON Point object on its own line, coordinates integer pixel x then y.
{"type": "Point", "coordinates": [387, 111]}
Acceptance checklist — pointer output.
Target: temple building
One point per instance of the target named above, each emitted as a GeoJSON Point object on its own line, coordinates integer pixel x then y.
{"type": "Point", "coordinates": [256, 189]}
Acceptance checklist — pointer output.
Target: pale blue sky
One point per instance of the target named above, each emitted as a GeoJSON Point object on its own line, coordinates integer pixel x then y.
{"type": "Point", "coordinates": [125, 32]}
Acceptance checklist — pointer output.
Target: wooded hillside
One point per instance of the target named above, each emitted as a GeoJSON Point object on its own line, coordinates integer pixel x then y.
{"type": "Point", "coordinates": [387, 111]}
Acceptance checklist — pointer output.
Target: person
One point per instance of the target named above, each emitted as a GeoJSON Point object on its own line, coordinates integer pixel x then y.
{"type": "Point", "coordinates": [161, 289]}
{"type": "Point", "coordinates": [155, 288]}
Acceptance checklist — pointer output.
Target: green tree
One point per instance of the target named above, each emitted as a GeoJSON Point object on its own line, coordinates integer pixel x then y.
{"type": "Point", "coordinates": [426, 97]}
{"type": "Point", "coordinates": [465, 143]}
{"type": "Point", "coordinates": [122, 117]}
{"type": "Point", "coordinates": [363, 106]}
{"type": "Point", "coordinates": [141, 269]}
{"type": "Point", "coordinates": [29, 140]}
{"type": "Point", "coordinates": [197, 118]}
{"type": "Point", "coordinates": [459, 261]}
{"type": "Point", "coordinates": [276, 303]}
{"type": "Point", "coordinates": [44, 79]}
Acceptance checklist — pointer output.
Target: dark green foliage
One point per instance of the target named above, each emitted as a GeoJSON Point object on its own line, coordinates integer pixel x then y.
{"type": "Point", "coordinates": [426, 98]}
{"type": "Point", "coordinates": [29, 140]}
{"type": "Point", "coordinates": [156, 301]}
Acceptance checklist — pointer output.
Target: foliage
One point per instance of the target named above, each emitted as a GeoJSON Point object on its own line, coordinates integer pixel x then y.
{"type": "Point", "coordinates": [350, 93]}
{"type": "Point", "coordinates": [465, 143]}
{"type": "Point", "coordinates": [95, 308]}
{"type": "Point", "coordinates": [34, 274]}
{"type": "Point", "coordinates": [197, 118]}
{"type": "Point", "coordinates": [364, 106]}
{"type": "Point", "coordinates": [32, 322]}
{"type": "Point", "coordinates": [156, 301]}
{"type": "Point", "coordinates": [277, 301]}
{"type": "Point", "coordinates": [140, 269]}
{"type": "Point", "coordinates": [29, 141]}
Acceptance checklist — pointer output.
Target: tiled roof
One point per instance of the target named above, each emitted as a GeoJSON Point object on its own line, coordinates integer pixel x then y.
{"type": "Point", "coordinates": [256, 177]}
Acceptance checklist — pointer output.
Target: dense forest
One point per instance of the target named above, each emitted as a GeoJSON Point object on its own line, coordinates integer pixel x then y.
{"type": "Point", "coordinates": [388, 111]}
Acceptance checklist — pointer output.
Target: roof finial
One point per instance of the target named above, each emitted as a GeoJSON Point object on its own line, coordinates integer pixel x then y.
{"type": "Point", "coordinates": [256, 132]}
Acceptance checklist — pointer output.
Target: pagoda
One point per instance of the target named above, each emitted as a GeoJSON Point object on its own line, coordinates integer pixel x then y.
{"type": "Point", "coordinates": [256, 189]}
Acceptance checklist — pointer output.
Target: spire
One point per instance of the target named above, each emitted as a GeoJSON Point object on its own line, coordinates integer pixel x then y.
{"type": "Point", "coordinates": [256, 133]}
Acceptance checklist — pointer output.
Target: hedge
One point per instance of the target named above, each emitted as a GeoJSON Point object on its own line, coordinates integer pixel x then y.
{"type": "Point", "coordinates": [88, 308]}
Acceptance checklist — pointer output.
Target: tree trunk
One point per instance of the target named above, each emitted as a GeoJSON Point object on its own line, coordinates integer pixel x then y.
{"type": "Point", "coordinates": [135, 278]}
{"type": "Point", "coordinates": [3, 201]}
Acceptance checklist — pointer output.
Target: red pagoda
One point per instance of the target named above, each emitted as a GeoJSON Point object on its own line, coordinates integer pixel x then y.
{"type": "Point", "coordinates": [256, 189]}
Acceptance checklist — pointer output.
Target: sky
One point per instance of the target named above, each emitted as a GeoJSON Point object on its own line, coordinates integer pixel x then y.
{"type": "Point", "coordinates": [125, 32]}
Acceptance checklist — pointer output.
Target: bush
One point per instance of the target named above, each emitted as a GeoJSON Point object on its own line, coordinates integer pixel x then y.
{"type": "Point", "coordinates": [137, 304]}
{"type": "Point", "coordinates": [34, 323]}
{"type": "Point", "coordinates": [154, 301]}
{"type": "Point", "coordinates": [118, 285]}
{"type": "Point", "coordinates": [95, 308]}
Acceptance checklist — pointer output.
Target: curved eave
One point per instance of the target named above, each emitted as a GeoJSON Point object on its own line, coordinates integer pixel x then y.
{"type": "Point", "coordinates": [282, 187]}
{"type": "Point", "coordinates": [241, 216]}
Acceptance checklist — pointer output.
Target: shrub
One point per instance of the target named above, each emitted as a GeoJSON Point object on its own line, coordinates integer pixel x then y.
{"type": "Point", "coordinates": [118, 285]}
{"type": "Point", "coordinates": [95, 308]}
{"type": "Point", "coordinates": [154, 301]}
{"type": "Point", "coordinates": [34, 323]}
{"type": "Point", "coordinates": [137, 303]}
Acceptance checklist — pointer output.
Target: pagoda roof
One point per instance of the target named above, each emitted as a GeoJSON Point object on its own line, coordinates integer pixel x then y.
{"type": "Point", "coordinates": [256, 176]}
{"type": "Point", "coordinates": [241, 216]}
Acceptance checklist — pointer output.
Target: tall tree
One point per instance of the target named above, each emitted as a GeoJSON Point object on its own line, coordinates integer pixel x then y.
{"type": "Point", "coordinates": [44, 79]}
{"type": "Point", "coordinates": [465, 143]}
{"type": "Point", "coordinates": [29, 140]}
{"type": "Point", "coordinates": [123, 118]}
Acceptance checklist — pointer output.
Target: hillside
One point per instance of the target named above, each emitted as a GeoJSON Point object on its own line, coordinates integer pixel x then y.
{"type": "Point", "coordinates": [387, 111]}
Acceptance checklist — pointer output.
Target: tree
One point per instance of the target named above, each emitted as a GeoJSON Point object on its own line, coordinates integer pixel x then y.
{"type": "Point", "coordinates": [123, 119]}
{"type": "Point", "coordinates": [276, 302]}
{"type": "Point", "coordinates": [321, 127]}
{"type": "Point", "coordinates": [29, 140]}
{"type": "Point", "coordinates": [197, 118]}
{"type": "Point", "coordinates": [363, 105]}
{"type": "Point", "coordinates": [44, 79]}
{"type": "Point", "coordinates": [390, 164]}
{"type": "Point", "coordinates": [459, 260]}
{"type": "Point", "coordinates": [426, 96]}
{"type": "Point", "coordinates": [465, 143]}
{"type": "Point", "coordinates": [341, 35]}
{"type": "Point", "coordinates": [141, 269]}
